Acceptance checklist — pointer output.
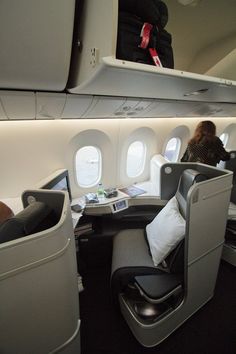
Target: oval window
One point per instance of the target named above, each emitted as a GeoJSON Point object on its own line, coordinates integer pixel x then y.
{"type": "Point", "coordinates": [224, 138]}
{"type": "Point", "coordinates": [136, 156]}
{"type": "Point", "coordinates": [88, 162]}
{"type": "Point", "coordinates": [172, 149]}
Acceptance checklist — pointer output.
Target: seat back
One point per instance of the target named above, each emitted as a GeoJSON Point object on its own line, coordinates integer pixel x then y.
{"type": "Point", "coordinates": [35, 270]}
{"type": "Point", "coordinates": [125, 267]}
{"type": "Point", "coordinates": [36, 217]}
{"type": "Point", "coordinates": [231, 165]}
{"type": "Point", "coordinates": [187, 179]}
{"type": "Point", "coordinates": [174, 262]}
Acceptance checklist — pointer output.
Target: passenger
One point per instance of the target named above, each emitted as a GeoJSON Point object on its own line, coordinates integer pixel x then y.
{"type": "Point", "coordinates": [5, 212]}
{"type": "Point", "coordinates": [205, 146]}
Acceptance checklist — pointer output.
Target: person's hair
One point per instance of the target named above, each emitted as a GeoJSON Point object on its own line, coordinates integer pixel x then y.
{"type": "Point", "coordinates": [205, 129]}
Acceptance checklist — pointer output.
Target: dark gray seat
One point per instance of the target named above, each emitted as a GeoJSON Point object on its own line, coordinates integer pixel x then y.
{"type": "Point", "coordinates": [229, 253]}
{"type": "Point", "coordinates": [36, 217]}
{"type": "Point", "coordinates": [157, 300]}
{"type": "Point", "coordinates": [38, 277]}
{"type": "Point", "coordinates": [231, 166]}
{"type": "Point", "coordinates": [132, 262]}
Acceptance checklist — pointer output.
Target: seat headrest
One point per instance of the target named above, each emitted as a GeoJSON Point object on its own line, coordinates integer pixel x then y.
{"type": "Point", "coordinates": [187, 179]}
{"type": "Point", "coordinates": [231, 165]}
{"type": "Point", "coordinates": [26, 222]}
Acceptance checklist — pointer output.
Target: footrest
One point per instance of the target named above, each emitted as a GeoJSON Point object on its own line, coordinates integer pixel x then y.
{"type": "Point", "coordinates": [157, 288]}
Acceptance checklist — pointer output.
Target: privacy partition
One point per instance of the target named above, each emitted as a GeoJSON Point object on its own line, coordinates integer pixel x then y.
{"type": "Point", "coordinates": [205, 206]}
{"type": "Point", "coordinates": [38, 279]}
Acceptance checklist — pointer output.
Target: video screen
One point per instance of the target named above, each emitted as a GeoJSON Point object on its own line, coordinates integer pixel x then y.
{"type": "Point", "coordinates": [60, 183]}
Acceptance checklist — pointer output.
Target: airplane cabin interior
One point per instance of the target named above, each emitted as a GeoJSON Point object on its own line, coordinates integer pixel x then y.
{"type": "Point", "coordinates": [114, 244]}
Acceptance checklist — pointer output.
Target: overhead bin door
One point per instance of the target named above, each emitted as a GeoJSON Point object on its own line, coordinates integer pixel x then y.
{"type": "Point", "coordinates": [35, 39]}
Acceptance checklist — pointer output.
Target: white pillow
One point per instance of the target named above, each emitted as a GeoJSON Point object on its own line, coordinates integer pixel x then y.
{"type": "Point", "coordinates": [165, 231]}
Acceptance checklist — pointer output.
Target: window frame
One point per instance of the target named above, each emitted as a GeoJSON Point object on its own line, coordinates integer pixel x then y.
{"type": "Point", "coordinates": [225, 140]}
{"type": "Point", "coordinates": [142, 164]}
{"type": "Point", "coordinates": [176, 151]}
{"type": "Point", "coordinates": [99, 153]}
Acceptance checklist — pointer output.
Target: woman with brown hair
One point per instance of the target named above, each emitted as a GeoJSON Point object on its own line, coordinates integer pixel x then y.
{"type": "Point", "coordinates": [205, 146]}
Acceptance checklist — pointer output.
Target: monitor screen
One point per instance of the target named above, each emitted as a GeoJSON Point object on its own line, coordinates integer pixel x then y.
{"type": "Point", "coordinates": [60, 183]}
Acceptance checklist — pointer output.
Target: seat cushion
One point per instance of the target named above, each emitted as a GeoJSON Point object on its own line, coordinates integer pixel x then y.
{"type": "Point", "coordinates": [165, 231]}
{"type": "Point", "coordinates": [130, 258]}
{"type": "Point", "coordinates": [130, 250]}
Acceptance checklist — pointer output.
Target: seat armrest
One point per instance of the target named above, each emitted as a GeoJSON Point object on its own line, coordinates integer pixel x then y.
{"type": "Point", "coordinates": [156, 288]}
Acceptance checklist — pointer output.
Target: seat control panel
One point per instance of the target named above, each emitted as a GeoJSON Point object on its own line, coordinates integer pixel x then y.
{"type": "Point", "coordinates": [119, 205]}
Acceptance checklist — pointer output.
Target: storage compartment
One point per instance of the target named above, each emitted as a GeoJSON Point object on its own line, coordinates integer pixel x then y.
{"type": "Point", "coordinates": [97, 71]}
{"type": "Point", "coordinates": [144, 311]}
{"type": "Point", "coordinates": [36, 39]}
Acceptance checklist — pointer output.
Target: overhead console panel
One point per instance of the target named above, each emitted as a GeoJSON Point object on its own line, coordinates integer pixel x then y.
{"type": "Point", "coordinates": [25, 105]}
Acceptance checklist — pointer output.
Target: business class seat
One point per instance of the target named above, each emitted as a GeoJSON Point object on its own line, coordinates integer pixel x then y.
{"type": "Point", "coordinates": [34, 218]}
{"type": "Point", "coordinates": [132, 262]}
{"type": "Point", "coordinates": [155, 300]}
{"type": "Point", "coordinates": [229, 249]}
{"type": "Point", "coordinates": [38, 278]}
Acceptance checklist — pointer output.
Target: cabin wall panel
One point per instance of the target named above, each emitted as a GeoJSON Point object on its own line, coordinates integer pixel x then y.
{"type": "Point", "coordinates": [35, 150]}
{"type": "Point", "coordinates": [30, 151]}
{"type": "Point", "coordinates": [99, 133]}
{"type": "Point", "coordinates": [131, 131]}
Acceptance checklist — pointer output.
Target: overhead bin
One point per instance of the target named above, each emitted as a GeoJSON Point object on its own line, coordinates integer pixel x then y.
{"type": "Point", "coordinates": [100, 85]}
{"type": "Point", "coordinates": [97, 71]}
{"type": "Point", "coordinates": [122, 78]}
{"type": "Point", "coordinates": [36, 39]}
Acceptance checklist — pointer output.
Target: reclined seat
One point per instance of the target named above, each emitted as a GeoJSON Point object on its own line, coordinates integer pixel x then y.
{"type": "Point", "coordinates": [36, 217]}
{"type": "Point", "coordinates": [148, 293]}
{"type": "Point", "coordinates": [131, 254]}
